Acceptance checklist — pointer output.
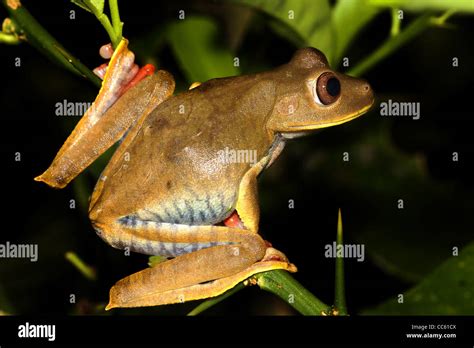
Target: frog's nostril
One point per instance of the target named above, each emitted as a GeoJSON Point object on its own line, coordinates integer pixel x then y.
{"type": "Point", "coordinates": [366, 87]}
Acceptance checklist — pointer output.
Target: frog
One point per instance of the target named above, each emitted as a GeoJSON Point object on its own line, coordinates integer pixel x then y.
{"type": "Point", "coordinates": [180, 183]}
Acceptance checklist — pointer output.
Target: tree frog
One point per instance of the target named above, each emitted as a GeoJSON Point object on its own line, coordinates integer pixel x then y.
{"type": "Point", "coordinates": [182, 168]}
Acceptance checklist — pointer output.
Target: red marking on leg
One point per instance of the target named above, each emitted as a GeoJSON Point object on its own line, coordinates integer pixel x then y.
{"type": "Point", "coordinates": [234, 221]}
{"type": "Point", "coordinates": [267, 243]}
{"type": "Point", "coordinates": [146, 70]}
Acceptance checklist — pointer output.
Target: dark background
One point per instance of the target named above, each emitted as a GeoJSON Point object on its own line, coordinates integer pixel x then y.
{"type": "Point", "coordinates": [391, 158]}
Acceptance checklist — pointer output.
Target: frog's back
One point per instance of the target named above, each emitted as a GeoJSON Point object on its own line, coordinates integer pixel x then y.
{"type": "Point", "coordinates": [186, 162]}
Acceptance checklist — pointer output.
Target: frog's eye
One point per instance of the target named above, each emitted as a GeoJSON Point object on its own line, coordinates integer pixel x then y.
{"type": "Point", "coordinates": [327, 89]}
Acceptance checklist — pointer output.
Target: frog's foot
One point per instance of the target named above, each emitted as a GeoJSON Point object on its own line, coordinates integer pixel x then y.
{"type": "Point", "coordinates": [134, 75]}
{"type": "Point", "coordinates": [272, 254]}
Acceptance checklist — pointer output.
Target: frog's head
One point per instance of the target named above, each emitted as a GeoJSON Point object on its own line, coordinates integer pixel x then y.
{"type": "Point", "coordinates": [311, 96]}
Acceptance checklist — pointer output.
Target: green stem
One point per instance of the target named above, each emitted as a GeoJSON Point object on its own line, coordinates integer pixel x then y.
{"type": "Point", "coordinates": [340, 296]}
{"type": "Point", "coordinates": [116, 22]}
{"type": "Point", "coordinates": [392, 44]}
{"type": "Point", "coordinates": [395, 29]}
{"type": "Point", "coordinates": [282, 284]}
{"type": "Point", "coordinates": [104, 20]}
{"type": "Point", "coordinates": [38, 37]}
{"type": "Point", "coordinates": [215, 300]}
{"type": "Point", "coordinates": [86, 270]}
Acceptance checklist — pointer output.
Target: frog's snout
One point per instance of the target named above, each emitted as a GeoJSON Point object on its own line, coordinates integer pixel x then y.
{"type": "Point", "coordinates": [366, 92]}
{"type": "Point", "coordinates": [367, 89]}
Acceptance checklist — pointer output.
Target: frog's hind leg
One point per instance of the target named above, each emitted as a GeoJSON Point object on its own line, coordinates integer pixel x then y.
{"type": "Point", "coordinates": [163, 284]}
{"type": "Point", "coordinates": [107, 120]}
{"type": "Point", "coordinates": [203, 253]}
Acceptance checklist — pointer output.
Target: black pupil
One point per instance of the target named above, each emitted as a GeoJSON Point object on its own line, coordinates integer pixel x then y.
{"type": "Point", "coordinates": [333, 87]}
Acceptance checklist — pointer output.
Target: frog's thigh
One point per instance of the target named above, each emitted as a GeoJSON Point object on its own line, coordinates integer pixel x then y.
{"type": "Point", "coordinates": [147, 288]}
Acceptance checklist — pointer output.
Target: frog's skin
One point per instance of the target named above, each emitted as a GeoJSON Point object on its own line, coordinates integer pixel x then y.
{"type": "Point", "coordinates": [166, 188]}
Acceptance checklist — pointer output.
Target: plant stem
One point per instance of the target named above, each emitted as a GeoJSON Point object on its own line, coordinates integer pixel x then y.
{"type": "Point", "coordinates": [86, 270]}
{"type": "Point", "coordinates": [392, 44]}
{"type": "Point", "coordinates": [104, 20]}
{"type": "Point", "coordinates": [339, 288]}
{"type": "Point", "coordinates": [116, 22]}
{"type": "Point", "coordinates": [38, 37]}
{"type": "Point", "coordinates": [395, 29]}
{"type": "Point", "coordinates": [282, 284]}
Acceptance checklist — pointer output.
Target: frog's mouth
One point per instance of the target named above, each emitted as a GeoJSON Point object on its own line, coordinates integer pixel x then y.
{"type": "Point", "coordinates": [297, 130]}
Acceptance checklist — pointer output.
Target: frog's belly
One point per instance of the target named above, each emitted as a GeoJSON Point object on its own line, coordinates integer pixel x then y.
{"type": "Point", "coordinates": [189, 209]}
{"type": "Point", "coordinates": [179, 212]}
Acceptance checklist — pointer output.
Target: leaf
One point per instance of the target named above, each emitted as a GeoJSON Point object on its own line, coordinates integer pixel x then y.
{"type": "Point", "coordinates": [348, 18]}
{"type": "Point", "coordinates": [424, 5]}
{"type": "Point", "coordinates": [448, 290]}
{"type": "Point", "coordinates": [195, 44]}
{"type": "Point", "coordinates": [309, 19]}
{"type": "Point", "coordinates": [155, 260]}
{"type": "Point", "coordinates": [330, 30]}
{"type": "Point", "coordinates": [94, 6]}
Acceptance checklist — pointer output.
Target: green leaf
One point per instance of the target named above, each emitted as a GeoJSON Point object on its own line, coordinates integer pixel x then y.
{"type": "Point", "coordinates": [195, 44]}
{"type": "Point", "coordinates": [310, 20]}
{"type": "Point", "coordinates": [424, 5]}
{"type": "Point", "coordinates": [205, 305]}
{"type": "Point", "coordinates": [339, 287]}
{"type": "Point", "coordinates": [392, 44]}
{"type": "Point", "coordinates": [330, 30]}
{"type": "Point", "coordinates": [94, 6]}
{"type": "Point", "coordinates": [155, 260]}
{"type": "Point", "coordinates": [448, 290]}
{"type": "Point", "coordinates": [348, 18]}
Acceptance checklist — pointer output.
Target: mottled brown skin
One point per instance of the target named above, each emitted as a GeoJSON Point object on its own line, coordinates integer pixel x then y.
{"type": "Point", "coordinates": [166, 188]}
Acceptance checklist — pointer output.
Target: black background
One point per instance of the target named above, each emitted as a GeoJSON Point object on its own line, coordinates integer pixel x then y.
{"type": "Point", "coordinates": [35, 213]}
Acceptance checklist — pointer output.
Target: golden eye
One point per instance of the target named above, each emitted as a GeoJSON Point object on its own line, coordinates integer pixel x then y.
{"type": "Point", "coordinates": [327, 89]}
